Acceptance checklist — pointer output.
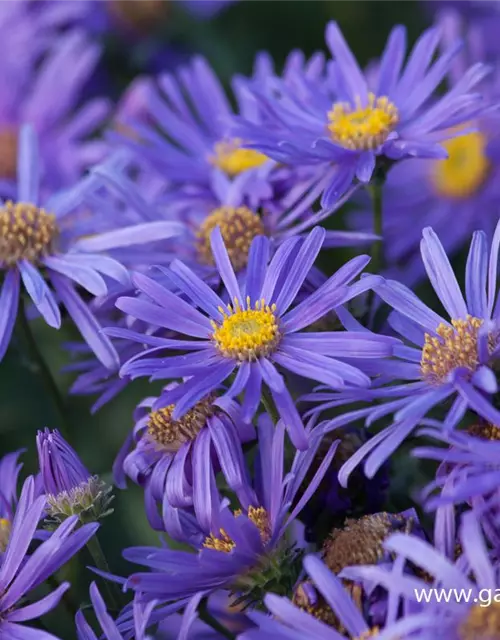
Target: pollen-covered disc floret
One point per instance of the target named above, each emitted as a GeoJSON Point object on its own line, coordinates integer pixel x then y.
{"type": "Point", "coordinates": [233, 159]}
{"type": "Point", "coordinates": [168, 434]}
{"type": "Point", "coordinates": [454, 347]}
{"type": "Point", "coordinates": [484, 430]}
{"type": "Point", "coordinates": [307, 598]}
{"type": "Point", "coordinates": [26, 233]}
{"type": "Point", "coordinates": [5, 528]}
{"type": "Point", "coordinates": [481, 622]}
{"type": "Point", "coordinates": [222, 542]}
{"type": "Point", "coordinates": [247, 334]}
{"type": "Point", "coordinates": [238, 226]}
{"type": "Point", "coordinates": [8, 152]}
{"type": "Point", "coordinates": [362, 127]}
{"type": "Point", "coordinates": [463, 173]}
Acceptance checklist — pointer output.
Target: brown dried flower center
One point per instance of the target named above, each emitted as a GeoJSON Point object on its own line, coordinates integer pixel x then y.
{"type": "Point", "coordinates": [485, 431]}
{"type": "Point", "coordinates": [26, 233]}
{"type": "Point", "coordinates": [238, 226]}
{"type": "Point", "coordinates": [171, 434]}
{"type": "Point", "coordinates": [482, 622]}
{"type": "Point", "coordinates": [360, 541]}
{"type": "Point", "coordinates": [143, 15]}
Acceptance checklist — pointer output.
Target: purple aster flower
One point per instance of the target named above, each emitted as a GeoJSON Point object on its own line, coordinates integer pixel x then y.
{"type": "Point", "coordinates": [255, 332]}
{"type": "Point", "coordinates": [69, 487]}
{"type": "Point", "coordinates": [469, 473]}
{"type": "Point", "coordinates": [345, 128]}
{"type": "Point", "coordinates": [446, 363]}
{"type": "Point", "coordinates": [436, 192]}
{"type": "Point", "coordinates": [110, 630]}
{"type": "Point", "coordinates": [192, 110]}
{"type": "Point", "coordinates": [45, 237]}
{"type": "Point", "coordinates": [21, 573]}
{"type": "Point", "coordinates": [247, 551]}
{"type": "Point", "coordinates": [171, 457]}
{"type": "Point", "coordinates": [289, 621]}
{"type": "Point", "coordinates": [471, 612]}
{"type": "Point", "coordinates": [46, 82]}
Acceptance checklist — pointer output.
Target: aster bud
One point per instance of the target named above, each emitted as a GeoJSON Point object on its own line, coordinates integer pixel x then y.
{"type": "Point", "coordinates": [69, 487]}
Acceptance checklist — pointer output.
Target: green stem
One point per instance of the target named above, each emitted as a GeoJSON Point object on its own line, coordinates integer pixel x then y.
{"type": "Point", "coordinates": [40, 367]}
{"type": "Point", "coordinates": [101, 563]}
{"type": "Point", "coordinates": [377, 261]}
{"type": "Point", "coordinates": [205, 615]}
{"type": "Point", "coordinates": [268, 404]}
{"type": "Point", "coordinates": [377, 252]}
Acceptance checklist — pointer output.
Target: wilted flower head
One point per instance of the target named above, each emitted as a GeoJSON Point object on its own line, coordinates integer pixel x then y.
{"type": "Point", "coordinates": [456, 617]}
{"type": "Point", "coordinates": [287, 620]}
{"type": "Point", "coordinates": [69, 487]}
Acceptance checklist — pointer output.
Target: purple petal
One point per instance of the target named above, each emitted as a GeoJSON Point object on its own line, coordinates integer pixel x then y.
{"type": "Point", "coordinates": [441, 274]}
{"type": "Point", "coordinates": [39, 292]}
{"type": "Point", "coordinates": [9, 303]}
{"type": "Point", "coordinates": [86, 323]}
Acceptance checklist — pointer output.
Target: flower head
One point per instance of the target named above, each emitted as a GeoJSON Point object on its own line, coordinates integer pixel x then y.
{"type": "Point", "coordinates": [207, 436]}
{"type": "Point", "coordinates": [46, 245]}
{"type": "Point", "coordinates": [436, 192]}
{"type": "Point", "coordinates": [21, 573]}
{"type": "Point", "coordinates": [248, 551]}
{"type": "Point", "coordinates": [255, 332]}
{"type": "Point", "coordinates": [69, 487]}
{"type": "Point", "coordinates": [347, 128]}
{"type": "Point", "coordinates": [446, 363]}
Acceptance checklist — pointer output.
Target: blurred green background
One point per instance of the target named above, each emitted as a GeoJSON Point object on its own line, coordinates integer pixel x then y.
{"type": "Point", "coordinates": [230, 42]}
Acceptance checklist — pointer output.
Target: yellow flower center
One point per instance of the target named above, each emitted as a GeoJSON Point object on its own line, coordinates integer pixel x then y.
{"type": "Point", "coordinates": [170, 434]}
{"type": "Point", "coordinates": [222, 542]}
{"type": "Point", "coordinates": [238, 226]}
{"type": "Point", "coordinates": [482, 622]}
{"type": "Point", "coordinates": [247, 334]}
{"type": "Point", "coordinates": [26, 233]}
{"type": "Point", "coordinates": [362, 127]}
{"type": "Point", "coordinates": [370, 633]}
{"type": "Point", "coordinates": [315, 606]}
{"type": "Point", "coordinates": [455, 346]}
{"type": "Point", "coordinates": [463, 173]}
{"type": "Point", "coordinates": [142, 15]}
{"type": "Point", "coordinates": [233, 159]}
{"type": "Point", "coordinates": [8, 153]}
{"type": "Point", "coordinates": [5, 527]}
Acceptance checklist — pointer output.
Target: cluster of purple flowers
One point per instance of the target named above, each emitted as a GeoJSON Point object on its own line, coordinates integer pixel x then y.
{"type": "Point", "coordinates": [185, 245]}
